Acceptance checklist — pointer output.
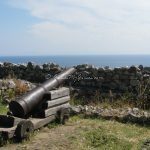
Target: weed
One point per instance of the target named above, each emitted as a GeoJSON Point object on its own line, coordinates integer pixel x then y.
{"type": "Point", "coordinates": [53, 124]}
{"type": "Point", "coordinates": [77, 101]}
{"type": "Point", "coordinates": [11, 93]}
{"type": "Point", "coordinates": [20, 87]}
{"type": "Point", "coordinates": [3, 108]}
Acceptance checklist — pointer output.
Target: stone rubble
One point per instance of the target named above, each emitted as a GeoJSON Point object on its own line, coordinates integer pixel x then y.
{"type": "Point", "coordinates": [10, 84]}
{"type": "Point", "coordinates": [146, 145]}
{"type": "Point", "coordinates": [131, 115]}
{"type": "Point", "coordinates": [8, 88]}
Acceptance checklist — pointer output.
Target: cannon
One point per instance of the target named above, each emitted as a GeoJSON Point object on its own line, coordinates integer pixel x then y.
{"type": "Point", "coordinates": [37, 108]}
{"type": "Point", "coordinates": [27, 103]}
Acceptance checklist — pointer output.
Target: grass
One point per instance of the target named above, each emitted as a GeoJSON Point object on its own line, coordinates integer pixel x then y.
{"type": "Point", "coordinates": [88, 134]}
{"type": "Point", "coordinates": [96, 134]}
{"type": "Point", "coordinates": [106, 103]}
{"type": "Point", "coordinates": [127, 99]}
{"type": "Point", "coordinates": [3, 108]}
{"type": "Point", "coordinates": [53, 124]}
{"type": "Point", "coordinates": [98, 138]}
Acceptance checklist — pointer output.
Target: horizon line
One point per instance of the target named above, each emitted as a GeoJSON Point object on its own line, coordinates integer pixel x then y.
{"type": "Point", "coordinates": [74, 55]}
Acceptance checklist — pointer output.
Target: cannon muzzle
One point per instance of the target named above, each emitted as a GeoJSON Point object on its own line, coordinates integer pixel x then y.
{"type": "Point", "coordinates": [27, 103]}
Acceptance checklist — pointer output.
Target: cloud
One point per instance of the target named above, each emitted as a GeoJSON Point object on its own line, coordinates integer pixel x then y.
{"type": "Point", "coordinates": [90, 24]}
{"type": "Point", "coordinates": [85, 11]}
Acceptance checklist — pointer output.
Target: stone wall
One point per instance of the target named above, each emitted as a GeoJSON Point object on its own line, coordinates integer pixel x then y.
{"type": "Point", "coordinates": [100, 83]}
{"type": "Point", "coordinates": [30, 71]}
{"type": "Point", "coordinates": [125, 79]}
{"type": "Point", "coordinates": [89, 81]}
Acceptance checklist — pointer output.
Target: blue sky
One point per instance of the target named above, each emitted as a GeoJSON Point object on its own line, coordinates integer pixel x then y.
{"type": "Point", "coordinates": [55, 27]}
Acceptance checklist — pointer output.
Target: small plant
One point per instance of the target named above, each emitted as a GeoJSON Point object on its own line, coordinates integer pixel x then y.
{"type": "Point", "coordinates": [97, 96]}
{"type": "Point", "coordinates": [77, 101]}
{"type": "Point", "coordinates": [0, 99]}
{"type": "Point", "coordinates": [53, 125]}
{"type": "Point", "coordinates": [3, 108]}
{"type": "Point", "coordinates": [20, 87]}
{"type": "Point", "coordinates": [11, 93]}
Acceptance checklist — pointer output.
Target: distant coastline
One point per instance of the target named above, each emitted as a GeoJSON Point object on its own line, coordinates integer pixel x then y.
{"type": "Point", "coordinates": [71, 60]}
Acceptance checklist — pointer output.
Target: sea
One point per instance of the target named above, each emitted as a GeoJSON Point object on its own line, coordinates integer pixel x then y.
{"type": "Point", "coordinates": [72, 60]}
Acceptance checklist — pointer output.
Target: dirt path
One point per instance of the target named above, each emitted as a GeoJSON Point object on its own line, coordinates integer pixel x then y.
{"type": "Point", "coordinates": [46, 139]}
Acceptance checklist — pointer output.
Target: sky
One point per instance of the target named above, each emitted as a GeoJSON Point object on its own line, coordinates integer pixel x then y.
{"type": "Point", "coordinates": [74, 27]}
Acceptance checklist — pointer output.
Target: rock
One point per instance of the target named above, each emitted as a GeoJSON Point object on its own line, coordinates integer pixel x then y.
{"type": "Point", "coordinates": [134, 69]}
{"type": "Point", "coordinates": [146, 114]}
{"type": "Point", "coordinates": [11, 84]}
{"type": "Point", "coordinates": [124, 77]}
{"type": "Point", "coordinates": [134, 82]}
{"type": "Point", "coordinates": [113, 85]}
{"type": "Point", "coordinates": [6, 100]}
{"type": "Point", "coordinates": [135, 111]}
{"type": "Point", "coordinates": [75, 109]}
{"type": "Point", "coordinates": [106, 67]}
{"type": "Point", "coordinates": [146, 145]}
{"type": "Point", "coordinates": [125, 69]}
{"type": "Point", "coordinates": [7, 64]}
{"type": "Point", "coordinates": [124, 114]}
{"type": "Point", "coordinates": [123, 87]}
{"type": "Point", "coordinates": [139, 75]}
{"type": "Point", "coordinates": [116, 77]}
{"type": "Point", "coordinates": [141, 67]}
{"type": "Point", "coordinates": [146, 76]}
{"type": "Point", "coordinates": [1, 84]}
{"type": "Point", "coordinates": [117, 70]}
{"type": "Point", "coordinates": [1, 63]}
{"type": "Point", "coordinates": [101, 69]}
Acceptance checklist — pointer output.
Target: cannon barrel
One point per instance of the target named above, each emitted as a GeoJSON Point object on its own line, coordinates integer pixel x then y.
{"type": "Point", "coordinates": [28, 102]}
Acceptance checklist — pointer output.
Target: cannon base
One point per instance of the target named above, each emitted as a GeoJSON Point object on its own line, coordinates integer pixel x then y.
{"type": "Point", "coordinates": [55, 106]}
{"type": "Point", "coordinates": [24, 127]}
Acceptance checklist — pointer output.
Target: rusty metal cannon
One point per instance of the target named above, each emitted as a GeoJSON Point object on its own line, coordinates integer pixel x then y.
{"type": "Point", "coordinates": [25, 104]}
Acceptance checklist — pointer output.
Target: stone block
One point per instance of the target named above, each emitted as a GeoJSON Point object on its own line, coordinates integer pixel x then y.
{"type": "Point", "coordinates": [134, 82]}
